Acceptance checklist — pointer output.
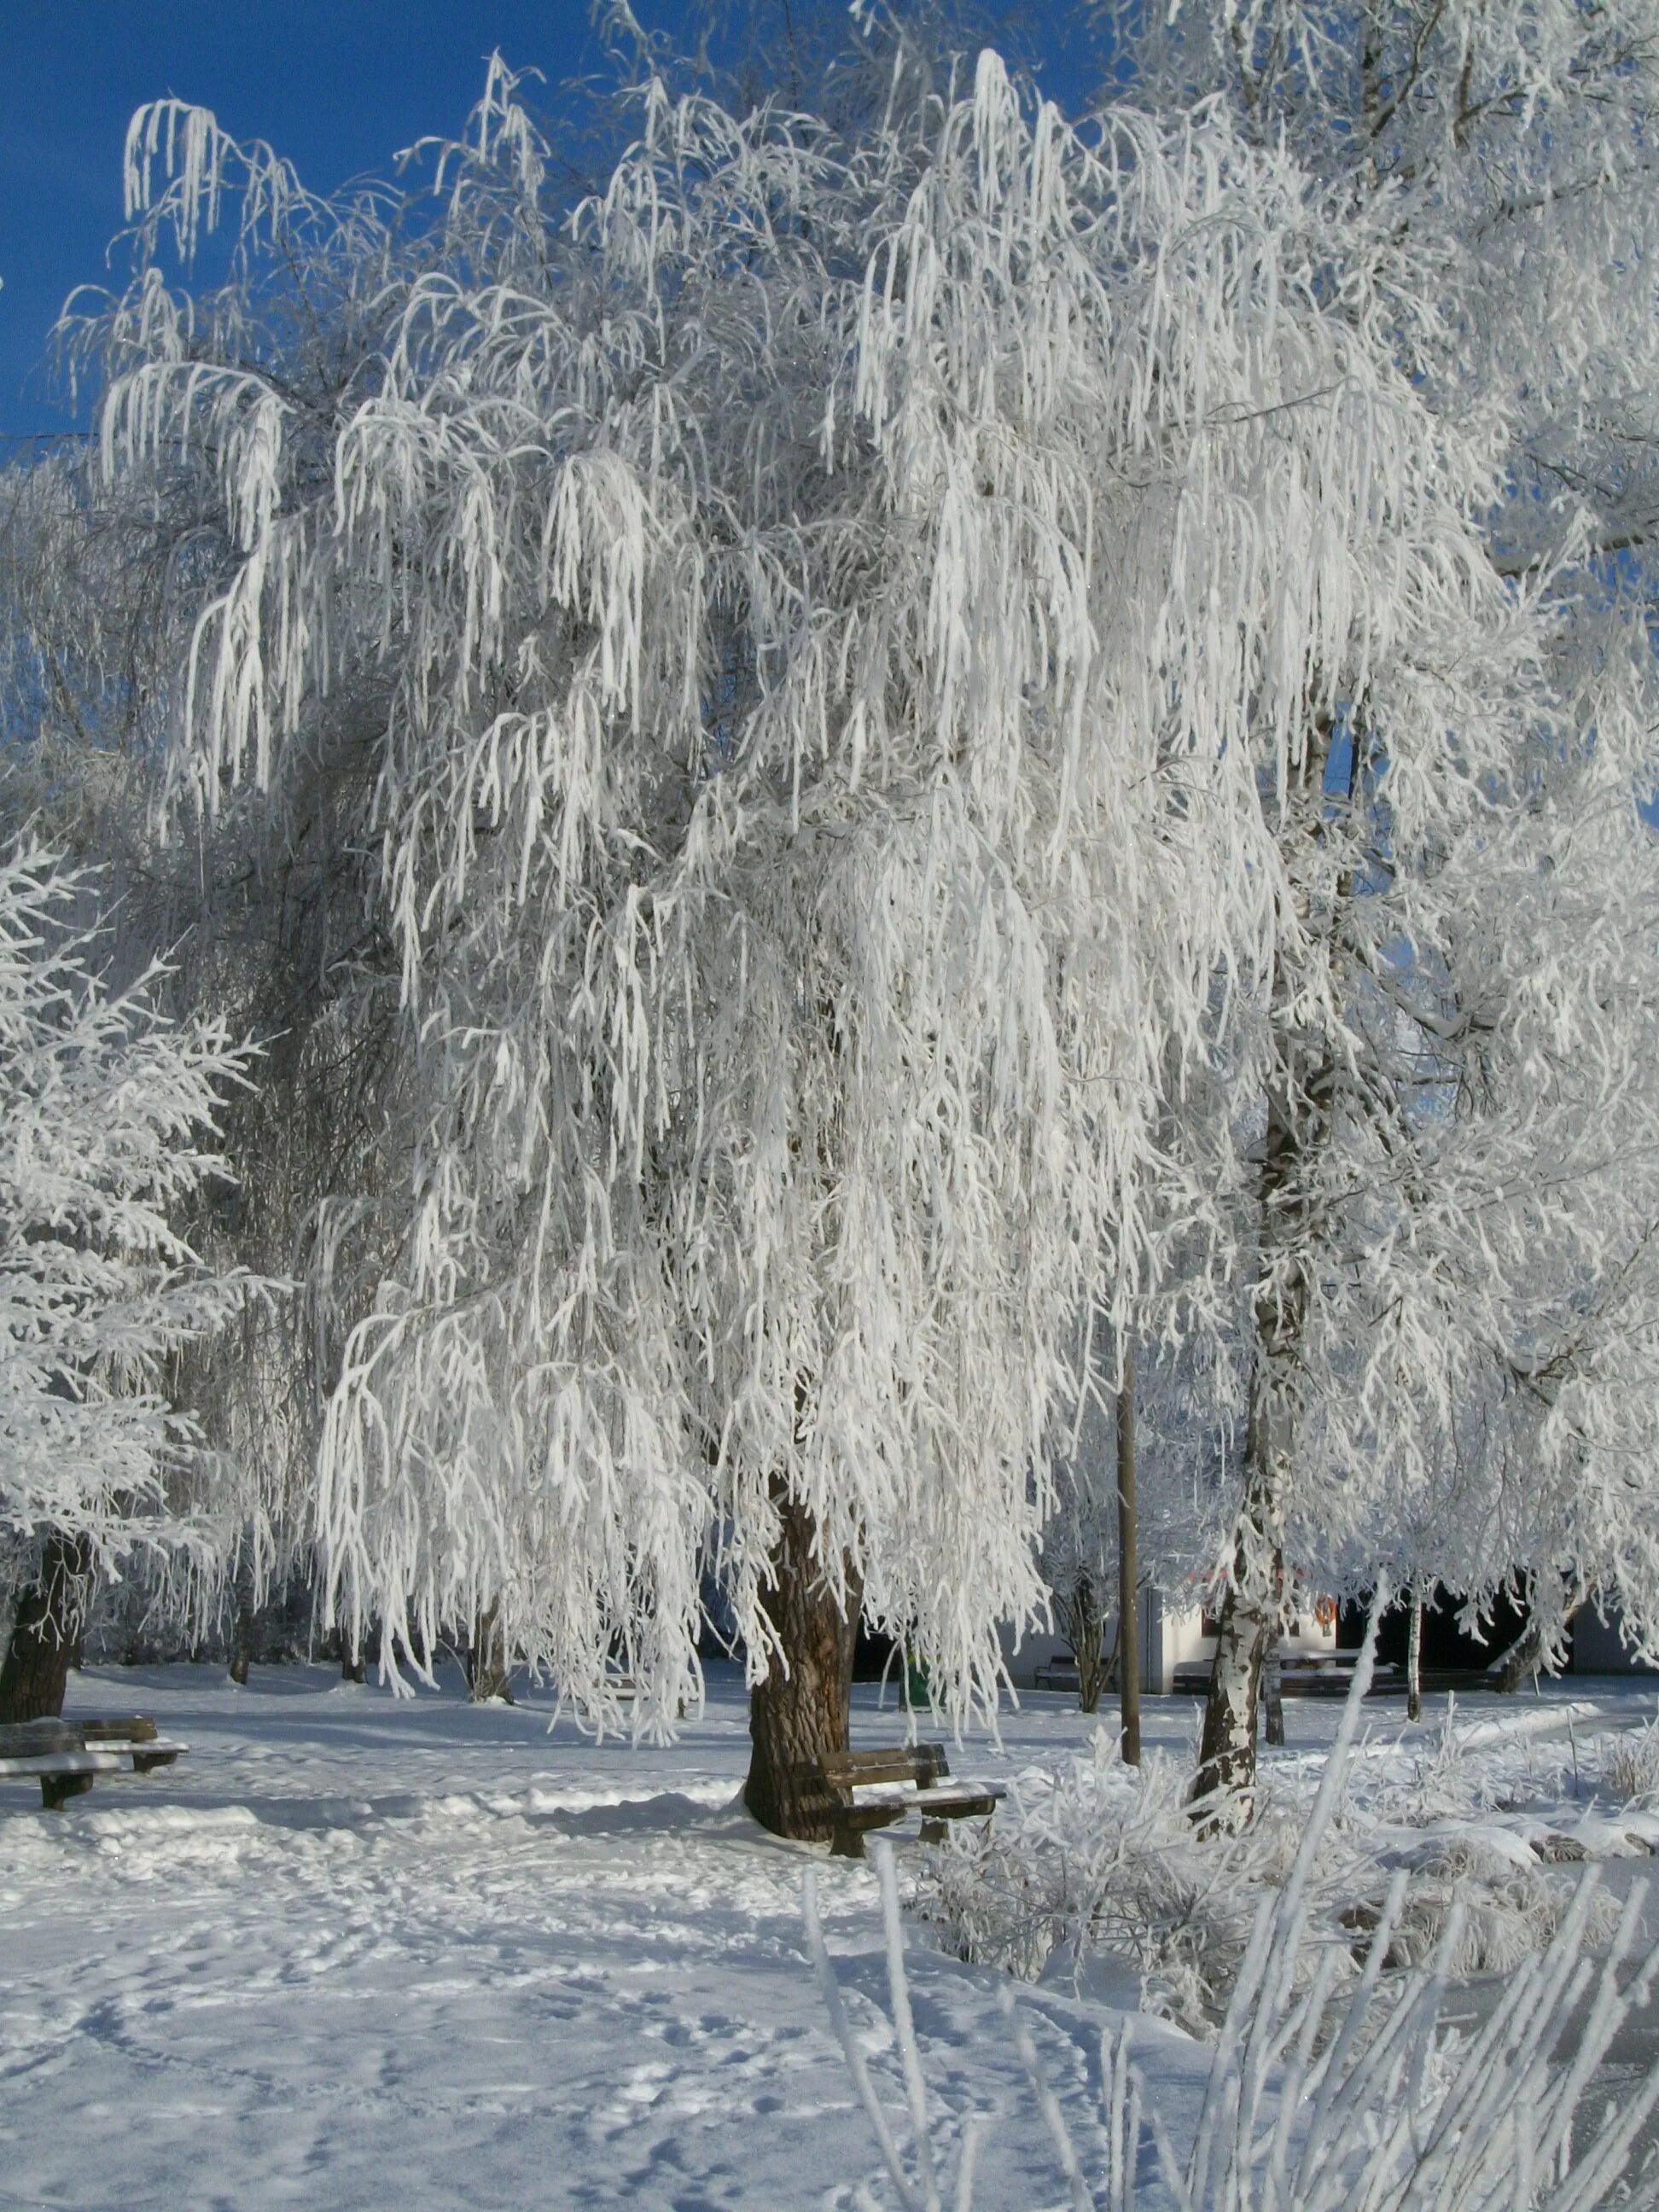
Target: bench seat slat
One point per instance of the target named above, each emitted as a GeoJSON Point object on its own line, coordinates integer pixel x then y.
{"type": "Point", "coordinates": [984, 1797]}
{"type": "Point", "coordinates": [94, 1760]}
{"type": "Point", "coordinates": [904, 1801]}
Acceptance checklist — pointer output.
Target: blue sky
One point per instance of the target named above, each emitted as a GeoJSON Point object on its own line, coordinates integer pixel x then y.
{"type": "Point", "coordinates": [337, 85]}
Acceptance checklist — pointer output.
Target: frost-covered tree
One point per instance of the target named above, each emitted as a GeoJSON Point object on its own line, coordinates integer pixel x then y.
{"type": "Point", "coordinates": [786, 589]}
{"type": "Point", "coordinates": [1451, 1295]}
{"type": "Point", "coordinates": [107, 1118]}
{"type": "Point", "coordinates": [263, 920]}
{"type": "Point", "coordinates": [885, 649]}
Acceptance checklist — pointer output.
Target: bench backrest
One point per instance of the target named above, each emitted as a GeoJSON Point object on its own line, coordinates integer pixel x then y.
{"type": "Point", "coordinates": [27, 1739]}
{"type": "Point", "coordinates": [923, 1763]}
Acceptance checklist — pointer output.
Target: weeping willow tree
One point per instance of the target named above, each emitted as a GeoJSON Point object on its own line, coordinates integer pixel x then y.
{"type": "Point", "coordinates": [854, 628]}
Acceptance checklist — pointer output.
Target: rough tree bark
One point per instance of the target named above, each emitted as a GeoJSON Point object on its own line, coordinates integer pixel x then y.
{"type": "Point", "coordinates": [1252, 1604]}
{"type": "Point", "coordinates": [487, 1671]}
{"type": "Point", "coordinates": [1532, 1652]}
{"type": "Point", "coordinates": [1128, 1570]}
{"type": "Point", "coordinates": [47, 1633]}
{"type": "Point", "coordinates": [800, 1712]}
{"type": "Point", "coordinates": [241, 1630]}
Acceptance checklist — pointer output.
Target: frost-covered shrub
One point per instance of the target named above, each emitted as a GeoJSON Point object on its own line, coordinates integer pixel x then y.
{"type": "Point", "coordinates": [1094, 1856]}
{"type": "Point", "coordinates": [1507, 1909]}
{"type": "Point", "coordinates": [1319, 2100]}
{"type": "Point", "coordinates": [1632, 1769]}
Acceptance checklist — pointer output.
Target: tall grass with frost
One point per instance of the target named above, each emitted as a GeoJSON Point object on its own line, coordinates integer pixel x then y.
{"type": "Point", "coordinates": [1632, 1769]}
{"type": "Point", "coordinates": [1320, 2099]}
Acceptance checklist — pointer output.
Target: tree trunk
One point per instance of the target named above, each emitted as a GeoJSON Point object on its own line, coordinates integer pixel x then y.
{"type": "Point", "coordinates": [487, 1671]}
{"type": "Point", "coordinates": [45, 1635]}
{"type": "Point", "coordinates": [1086, 1629]}
{"type": "Point", "coordinates": [1414, 1655]}
{"type": "Point", "coordinates": [241, 1630]}
{"type": "Point", "coordinates": [800, 1713]}
{"type": "Point", "coordinates": [1302, 1078]}
{"type": "Point", "coordinates": [1520, 1664]}
{"type": "Point", "coordinates": [1128, 1570]}
{"type": "Point", "coordinates": [1251, 1617]}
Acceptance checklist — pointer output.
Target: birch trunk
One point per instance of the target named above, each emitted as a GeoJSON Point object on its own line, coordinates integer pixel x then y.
{"type": "Point", "coordinates": [1414, 1657]}
{"type": "Point", "coordinates": [1128, 1572]}
{"type": "Point", "coordinates": [801, 1712]}
{"type": "Point", "coordinates": [1300, 1089]}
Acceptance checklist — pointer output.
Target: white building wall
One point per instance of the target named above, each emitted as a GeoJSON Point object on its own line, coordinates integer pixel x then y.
{"type": "Point", "coordinates": [1171, 1636]}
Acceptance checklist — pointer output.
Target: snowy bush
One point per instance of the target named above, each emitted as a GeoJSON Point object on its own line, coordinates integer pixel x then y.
{"type": "Point", "coordinates": [1092, 1856]}
{"type": "Point", "coordinates": [1319, 2099]}
{"type": "Point", "coordinates": [1097, 1856]}
{"type": "Point", "coordinates": [1632, 1768]}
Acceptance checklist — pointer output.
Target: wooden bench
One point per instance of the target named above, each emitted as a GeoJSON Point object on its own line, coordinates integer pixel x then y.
{"type": "Point", "coordinates": [1323, 1675]}
{"type": "Point", "coordinates": [68, 1756]}
{"type": "Point", "coordinates": [1060, 1673]}
{"type": "Point", "coordinates": [872, 1788]}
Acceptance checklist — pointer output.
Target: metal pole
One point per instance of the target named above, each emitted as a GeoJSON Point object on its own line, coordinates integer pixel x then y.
{"type": "Point", "coordinates": [1128, 1572]}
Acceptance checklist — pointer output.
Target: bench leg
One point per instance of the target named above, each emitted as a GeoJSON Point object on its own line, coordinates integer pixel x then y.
{"type": "Point", "coordinates": [55, 1787]}
{"type": "Point", "coordinates": [933, 1832]}
{"type": "Point", "coordinates": [847, 1843]}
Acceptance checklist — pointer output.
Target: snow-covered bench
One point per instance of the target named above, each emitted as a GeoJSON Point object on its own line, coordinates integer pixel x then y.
{"type": "Point", "coordinates": [68, 1756]}
{"type": "Point", "coordinates": [873, 1789]}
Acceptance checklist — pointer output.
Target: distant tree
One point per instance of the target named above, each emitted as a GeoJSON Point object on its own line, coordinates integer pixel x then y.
{"type": "Point", "coordinates": [1453, 1308]}
{"type": "Point", "coordinates": [106, 1113]}
{"type": "Point", "coordinates": [260, 917]}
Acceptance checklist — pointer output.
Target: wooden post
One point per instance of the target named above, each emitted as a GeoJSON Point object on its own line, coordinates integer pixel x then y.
{"type": "Point", "coordinates": [1272, 1689]}
{"type": "Point", "coordinates": [1129, 1569]}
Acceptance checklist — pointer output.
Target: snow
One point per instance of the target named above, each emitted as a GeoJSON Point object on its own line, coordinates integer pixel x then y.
{"type": "Point", "coordinates": [438, 1957]}
{"type": "Point", "coordinates": [376, 1951]}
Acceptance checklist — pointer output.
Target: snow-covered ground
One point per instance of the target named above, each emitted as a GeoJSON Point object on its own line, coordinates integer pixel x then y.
{"type": "Point", "coordinates": [355, 1951]}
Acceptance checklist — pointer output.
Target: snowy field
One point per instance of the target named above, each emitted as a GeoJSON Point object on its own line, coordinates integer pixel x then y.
{"type": "Point", "coordinates": [356, 1952]}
